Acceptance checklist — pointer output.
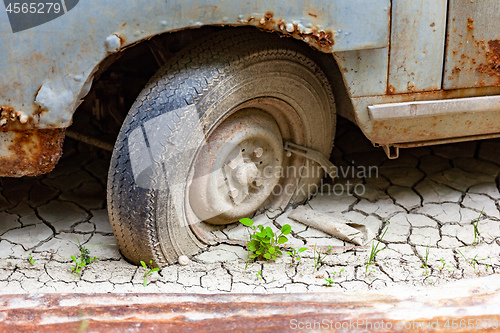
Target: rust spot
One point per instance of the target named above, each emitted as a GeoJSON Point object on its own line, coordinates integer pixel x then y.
{"type": "Point", "coordinates": [313, 15]}
{"type": "Point", "coordinates": [122, 39]}
{"type": "Point", "coordinates": [433, 24]}
{"type": "Point", "coordinates": [14, 120]}
{"type": "Point", "coordinates": [492, 68]}
{"type": "Point", "coordinates": [319, 39]}
{"type": "Point", "coordinates": [456, 70]}
{"type": "Point", "coordinates": [391, 89]}
{"type": "Point", "coordinates": [30, 152]}
{"type": "Point", "coordinates": [126, 312]}
{"type": "Point", "coordinates": [470, 23]}
{"type": "Point", "coordinates": [6, 114]}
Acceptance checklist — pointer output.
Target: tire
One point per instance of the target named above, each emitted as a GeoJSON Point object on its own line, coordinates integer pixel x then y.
{"type": "Point", "coordinates": [265, 89]}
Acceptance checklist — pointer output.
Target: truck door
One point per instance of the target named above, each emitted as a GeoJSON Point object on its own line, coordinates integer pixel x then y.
{"type": "Point", "coordinates": [418, 31]}
{"type": "Point", "coordinates": [473, 44]}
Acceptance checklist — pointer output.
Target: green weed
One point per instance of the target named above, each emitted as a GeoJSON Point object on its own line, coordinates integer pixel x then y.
{"type": "Point", "coordinates": [426, 259]}
{"type": "Point", "coordinates": [295, 254]}
{"type": "Point", "coordinates": [329, 281]}
{"type": "Point", "coordinates": [374, 251]}
{"type": "Point", "coordinates": [443, 265]}
{"type": "Point", "coordinates": [473, 261]}
{"type": "Point", "coordinates": [148, 270]}
{"type": "Point", "coordinates": [475, 223]}
{"type": "Point", "coordinates": [318, 259]}
{"type": "Point", "coordinates": [84, 259]}
{"type": "Point", "coordinates": [32, 261]}
{"type": "Point", "coordinates": [264, 243]}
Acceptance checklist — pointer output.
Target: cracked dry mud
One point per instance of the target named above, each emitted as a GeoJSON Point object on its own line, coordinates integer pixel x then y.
{"type": "Point", "coordinates": [430, 196]}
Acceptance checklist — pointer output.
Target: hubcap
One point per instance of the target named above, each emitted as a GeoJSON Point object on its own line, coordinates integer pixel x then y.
{"type": "Point", "coordinates": [237, 169]}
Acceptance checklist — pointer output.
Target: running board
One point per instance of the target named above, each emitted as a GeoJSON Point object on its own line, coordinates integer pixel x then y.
{"type": "Point", "coordinates": [421, 123]}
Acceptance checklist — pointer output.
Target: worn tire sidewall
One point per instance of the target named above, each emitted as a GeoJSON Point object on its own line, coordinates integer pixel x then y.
{"type": "Point", "coordinates": [160, 212]}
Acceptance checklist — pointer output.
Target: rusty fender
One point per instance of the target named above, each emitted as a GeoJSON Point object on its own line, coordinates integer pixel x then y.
{"type": "Point", "coordinates": [29, 152]}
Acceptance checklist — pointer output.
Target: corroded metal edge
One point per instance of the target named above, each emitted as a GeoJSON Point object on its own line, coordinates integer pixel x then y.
{"type": "Point", "coordinates": [421, 121]}
{"type": "Point", "coordinates": [30, 152]}
{"type": "Point", "coordinates": [61, 75]}
{"type": "Point", "coordinates": [426, 130]}
{"type": "Point", "coordinates": [477, 300]}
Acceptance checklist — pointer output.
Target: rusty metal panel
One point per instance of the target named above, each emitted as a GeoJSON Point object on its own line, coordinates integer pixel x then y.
{"type": "Point", "coordinates": [417, 45]}
{"type": "Point", "coordinates": [29, 152]}
{"type": "Point", "coordinates": [402, 131]}
{"type": "Point", "coordinates": [473, 46]}
{"type": "Point", "coordinates": [364, 71]}
{"type": "Point", "coordinates": [422, 310]}
{"type": "Point", "coordinates": [424, 121]}
{"type": "Point", "coordinates": [46, 70]}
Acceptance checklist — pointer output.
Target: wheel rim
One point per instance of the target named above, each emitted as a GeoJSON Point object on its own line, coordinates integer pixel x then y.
{"type": "Point", "coordinates": [233, 174]}
{"type": "Point", "coordinates": [242, 163]}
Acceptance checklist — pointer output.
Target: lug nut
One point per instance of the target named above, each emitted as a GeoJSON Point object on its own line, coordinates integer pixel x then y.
{"type": "Point", "coordinates": [258, 152]}
{"type": "Point", "coordinates": [246, 174]}
{"type": "Point", "coordinates": [233, 193]}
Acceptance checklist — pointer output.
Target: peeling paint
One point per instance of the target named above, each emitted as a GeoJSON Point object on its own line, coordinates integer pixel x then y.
{"type": "Point", "coordinates": [50, 65]}
{"type": "Point", "coordinates": [56, 98]}
{"type": "Point", "coordinates": [30, 152]}
{"type": "Point", "coordinates": [319, 39]}
{"type": "Point", "coordinates": [113, 43]}
{"type": "Point", "coordinates": [493, 57]}
{"type": "Point", "coordinates": [8, 117]}
{"type": "Point", "coordinates": [473, 49]}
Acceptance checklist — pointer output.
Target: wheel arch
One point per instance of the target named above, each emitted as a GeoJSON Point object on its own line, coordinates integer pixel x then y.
{"type": "Point", "coordinates": [153, 51]}
{"type": "Point", "coordinates": [82, 39]}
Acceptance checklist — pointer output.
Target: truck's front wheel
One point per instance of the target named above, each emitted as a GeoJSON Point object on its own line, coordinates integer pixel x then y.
{"type": "Point", "coordinates": [204, 142]}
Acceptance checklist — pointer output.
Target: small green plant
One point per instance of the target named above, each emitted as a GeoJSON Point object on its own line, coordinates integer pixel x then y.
{"type": "Point", "coordinates": [83, 261]}
{"type": "Point", "coordinates": [259, 275]}
{"type": "Point", "coordinates": [329, 281]}
{"type": "Point", "coordinates": [264, 243]}
{"type": "Point", "coordinates": [443, 265]}
{"type": "Point", "coordinates": [426, 259]}
{"type": "Point", "coordinates": [148, 270]}
{"type": "Point", "coordinates": [318, 259]}
{"type": "Point", "coordinates": [473, 261]}
{"type": "Point", "coordinates": [32, 261]}
{"type": "Point", "coordinates": [295, 254]}
{"type": "Point", "coordinates": [475, 223]}
{"type": "Point", "coordinates": [374, 251]}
